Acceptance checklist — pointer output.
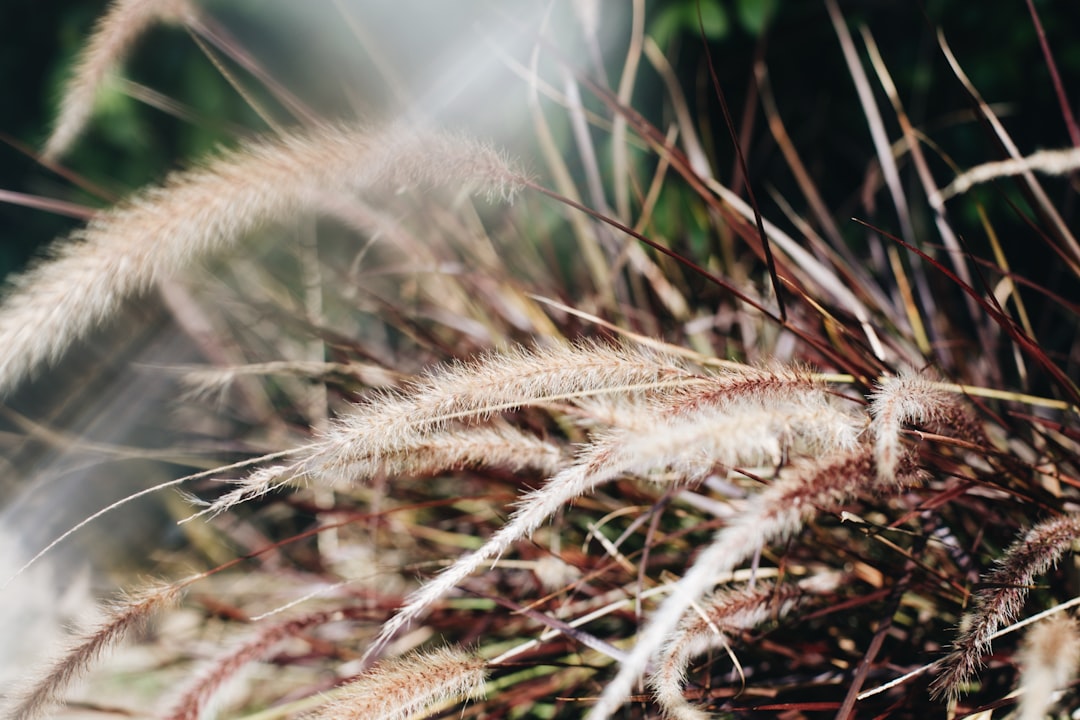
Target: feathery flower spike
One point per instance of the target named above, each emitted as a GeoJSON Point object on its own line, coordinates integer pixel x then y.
{"type": "Point", "coordinates": [121, 618]}
{"type": "Point", "coordinates": [738, 432]}
{"type": "Point", "coordinates": [1002, 599]}
{"type": "Point", "coordinates": [200, 212]}
{"type": "Point", "coordinates": [116, 32]}
{"type": "Point", "coordinates": [1049, 660]}
{"type": "Point", "coordinates": [400, 688]}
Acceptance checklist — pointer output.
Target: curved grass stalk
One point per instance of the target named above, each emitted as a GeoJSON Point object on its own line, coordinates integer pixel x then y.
{"type": "Point", "coordinates": [723, 614]}
{"type": "Point", "coordinates": [113, 38]}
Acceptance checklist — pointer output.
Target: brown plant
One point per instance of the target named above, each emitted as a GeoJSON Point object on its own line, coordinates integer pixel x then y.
{"type": "Point", "coordinates": [553, 432]}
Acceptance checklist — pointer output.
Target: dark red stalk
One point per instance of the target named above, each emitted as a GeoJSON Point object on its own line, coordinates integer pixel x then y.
{"type": "Point", "coordinates": [1027, 344]}
{"type": "Point", "coordinates": [730, 123]}
{"type": "Point", "coordinates": [1055, 77]}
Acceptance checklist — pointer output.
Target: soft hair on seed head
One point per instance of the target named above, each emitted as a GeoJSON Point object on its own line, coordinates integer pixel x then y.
{"type": "Point", "coordinates": [913, 398]}
{"type": "Point", "coordinates": [197, 698]}
{"type": "Point", "coordinates": [163, 230]}
{"type": "Point", "coordinates": [740, 428]}
{"type": "Point", "coordinates": [723, 614]}
{"type": "Point", "coordinates": [1002, 598]}
{"type": "Point", "coordinates": [1050, 162]}
{"type": "Point", "coordinates": [416, 430]}
{"type": "Point", "coordinates": [44, 691]}
{"type": "Point", "coordinates": [403, 687]}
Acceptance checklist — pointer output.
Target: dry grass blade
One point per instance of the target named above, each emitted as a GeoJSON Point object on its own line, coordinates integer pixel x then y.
{"type": "Point", "coordinates": [1042, 200]}
{"type": "Point", "coordinates": [801, 174]}
{"type": "Point", "coordinates": [874, 121]}
{"type": "Point", "coordinates": [926, 178]}
{"type": "Point", "coordinates": [621, 164]}
{"type": "Point", "coordinates": [116, 32]}
{"type": "Point", "coordinates": [196, 213]}
{"type": "Point", "coordinates": [806, 263]}
{"type": "Point", "coordinates": [585, 232]}
{"type": "Point", "coordinates": [1055, 77]}
{"type": "Point", "coordinates": [58, 207]}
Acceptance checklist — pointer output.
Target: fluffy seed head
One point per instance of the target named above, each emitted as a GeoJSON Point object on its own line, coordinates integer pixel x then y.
{"type": "Point", "coordinates": [400, 688]}
{"type": "Point", "coordinates": [47, 690]}
{"type": "Point", "coordinates": [912, 398]}
{"type": "Point", "coordinates": [1002, 599]}
{"type": "Point", "coordinates": [197, 213]}
{"type": "Point", "coordinates": [116, 33]}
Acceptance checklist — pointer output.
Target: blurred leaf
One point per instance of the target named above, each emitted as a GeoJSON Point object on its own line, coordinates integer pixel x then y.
{"type": "Point", "coordinates": [682, 17]}
{"type": "Point", "coordinates": [116, 117]}
{"type": "Point", "coordinates": [203, 89]}
{"type": "Point", "coordinates": [755, 15]}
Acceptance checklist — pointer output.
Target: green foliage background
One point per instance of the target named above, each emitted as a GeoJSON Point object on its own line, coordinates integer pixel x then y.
{"type": "Point", "coordinates": [130, 144]}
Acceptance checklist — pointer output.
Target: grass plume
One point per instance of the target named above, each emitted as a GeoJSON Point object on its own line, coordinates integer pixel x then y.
{"type": "Point", "coordinates": [161, 231]}
{"type": "Point", "coordinates": [1049, 162]}
{"type": "Point", "coordinates": [116, 33]}
{"type": "Point", "coordinates": [120, 619]}
{"type": "Point", "coordinates": [729, 429]}
{"type": "Point", "coordinates": [1050, 658]}
{"type": "Point", "coordinates": [912, 398]}
{"type": "Point", "coordinates": [400, 688]}
{"type": "Point", "coordinates": [723, 615]}
{"type": "Point", "coordinates": [1001, 601]}
{"type": "Point", "coordinates": [198, 695]}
